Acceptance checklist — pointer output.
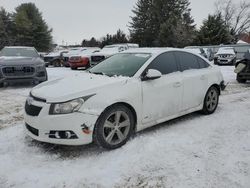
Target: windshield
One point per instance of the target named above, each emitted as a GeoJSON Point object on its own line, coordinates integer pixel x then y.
{"type": "Point", "coordinates": [124, 64]}
{"type": "Point", "coordinates": [23, 52]}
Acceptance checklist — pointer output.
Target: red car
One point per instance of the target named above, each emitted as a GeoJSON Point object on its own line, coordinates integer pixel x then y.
{"type": "Point", "coordinates": [83, 59]}
{"type": "Point", "coordinates": [78, 61]}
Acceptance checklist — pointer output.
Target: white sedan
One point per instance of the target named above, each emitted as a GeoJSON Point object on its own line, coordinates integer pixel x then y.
{"type": "Point", "coordinates": [126, 93]}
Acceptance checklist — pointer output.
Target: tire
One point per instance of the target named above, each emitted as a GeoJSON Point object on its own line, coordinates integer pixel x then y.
{"type": "Point", "coordinates": [56, 63]}
{"type": "Point", "coordinates": [242, 81]}
{"type": "Point", "coordinates": [73, 68]}
{"type": "Point", "coordinates": [110, 132]}
{"type": "Point", "coordinates": [1, 85]}
{"type": "Point", "coordinates": [211, 101]}
{"type": "Point", "coordinates": [215, 62]}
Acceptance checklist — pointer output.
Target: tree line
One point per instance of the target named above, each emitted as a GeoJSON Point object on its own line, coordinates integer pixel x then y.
{"type": "Point", "coordinates": [163, 23]}
{"type": "Point", "coordinates": [168, 23]}
{"type": "Point", "coordinates": [25, 27]}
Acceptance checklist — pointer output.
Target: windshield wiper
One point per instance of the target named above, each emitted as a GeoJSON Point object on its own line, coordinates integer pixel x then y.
{"type": "Point", "coordinates": [99, 73]}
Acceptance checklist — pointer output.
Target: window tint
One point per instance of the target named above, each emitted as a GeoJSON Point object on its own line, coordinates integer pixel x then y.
{"type": "Point", "coordinates": [202, 63]}
{"type": "Point", "coordinates": [165, 63]}
{"type": "Point", "coordinates": [187, 61]}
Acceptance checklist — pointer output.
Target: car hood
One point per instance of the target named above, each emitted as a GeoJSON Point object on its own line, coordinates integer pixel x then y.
{"type": "Point", "coordinates": [15, 61]}
{"type": "Point", "coordinates": [78, 85]}
{"type": "Point", "coordinates": [53, 54]}
{"type": "Point", "coordinates": [225, 52]}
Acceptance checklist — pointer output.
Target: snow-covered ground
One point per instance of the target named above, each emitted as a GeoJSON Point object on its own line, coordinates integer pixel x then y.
{"type": "Point", "coordinates": [192, 151]}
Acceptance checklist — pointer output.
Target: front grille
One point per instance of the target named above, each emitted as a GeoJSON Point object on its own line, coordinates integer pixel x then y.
{"type": "Point", "coordinates": [97, 58]}
{"type": "Point", "coordinates": [32, 129]}
{"type": "Point", "coordinates": [18, 71]}
{"type": "Point", "coordinates": [225, 56]}
{"type": "Point", "coordinates": [32, 110]}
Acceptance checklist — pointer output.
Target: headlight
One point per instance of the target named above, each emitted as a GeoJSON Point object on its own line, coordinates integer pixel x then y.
{"type": "Point", "coordinates": [68, 107]}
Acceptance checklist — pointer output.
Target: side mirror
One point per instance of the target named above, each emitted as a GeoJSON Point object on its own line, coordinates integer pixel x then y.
{"type": "Point", "coordinates": [152, 74]}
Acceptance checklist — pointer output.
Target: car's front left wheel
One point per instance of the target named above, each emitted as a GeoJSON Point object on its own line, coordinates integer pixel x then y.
{"type": "Point", "coordinates": [114, 127]}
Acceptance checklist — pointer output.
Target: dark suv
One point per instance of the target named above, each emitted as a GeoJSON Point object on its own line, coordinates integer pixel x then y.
{"type": "Point", "coordinates": [242, 68]}
{"type": "Point", "coordinates": [21, 64]}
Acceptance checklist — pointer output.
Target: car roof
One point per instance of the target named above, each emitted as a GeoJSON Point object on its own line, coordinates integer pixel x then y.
{"type": "Point", "coordinates": [155, 51]}
{"type": "Point", "coordinates": [18, 47]}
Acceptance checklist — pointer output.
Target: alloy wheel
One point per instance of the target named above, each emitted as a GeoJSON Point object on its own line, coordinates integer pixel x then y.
{"type": "Point", "coordinates": [212, 100]}
{"type": "Point", "coordinates": [116, 127]}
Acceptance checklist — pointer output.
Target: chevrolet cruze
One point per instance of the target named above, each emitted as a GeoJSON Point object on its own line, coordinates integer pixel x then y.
{"type": "Point", "coordinates": [126, 93]}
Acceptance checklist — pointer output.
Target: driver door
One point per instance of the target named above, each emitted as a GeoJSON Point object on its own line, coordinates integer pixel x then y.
{"type": "Point", "coordinates": [161, 98]}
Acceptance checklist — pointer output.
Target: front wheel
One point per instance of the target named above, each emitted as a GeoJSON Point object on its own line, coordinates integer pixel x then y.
{"type": "Point", "coordinates": [114, 127]}
{"type": "Point", "coordinates": [211, 101]}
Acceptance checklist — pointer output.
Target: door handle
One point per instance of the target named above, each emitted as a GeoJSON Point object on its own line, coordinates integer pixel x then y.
{"type": "Point", "coordinates": [177, 84]}
{"type": "Point", "coordinates": [203, 77]}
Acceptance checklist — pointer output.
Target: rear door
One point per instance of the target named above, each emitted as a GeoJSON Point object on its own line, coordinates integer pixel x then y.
{"type": "Point", "coordinates": [162, 97]}
{"type": "Point", "coordinates": [194, 80]}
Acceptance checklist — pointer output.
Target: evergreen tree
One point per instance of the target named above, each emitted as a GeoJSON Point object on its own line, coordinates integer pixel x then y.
{"type": "Point", "coordinates": [119, 37]}
{"type": "Point", "coordinates": [214, 31]}
{"type": "Point", "coordinates": [6, 29]}
{"type": "Point", "coordinates": [142, 27]}
{"type": "Point", "coordinates": [162, 23]}
{"type": "Point", "coordinates": [31, 28]}
{"type": "Point", "coordinates": [90, 43]}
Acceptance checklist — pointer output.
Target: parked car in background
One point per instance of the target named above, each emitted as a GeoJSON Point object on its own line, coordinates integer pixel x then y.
{"type": "Point", "coordinates": [125, 93]}
{"type": "Point", "coordinates": [71, 52]}
{"type": "Point", "coordinates": [82, 59]}
{"type": "Point", "coordinates": [55, 58]}
{"type": "Point", "coordinates": [21, 64]}
{"type": "Point", "coordinates": [110, 50]}
{"type": "Point", "coordinates": [242, 68]}
{"type": "Point", "coordinates": [225, 56]}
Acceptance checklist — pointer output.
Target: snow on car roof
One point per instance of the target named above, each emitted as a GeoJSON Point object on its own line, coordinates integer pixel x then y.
{"type": "Point", "coordinates": [155, 51]}
{"type": "Point", "coordinates": [18, 47]}
{"type": "Point", "coordinates": [227, 50]}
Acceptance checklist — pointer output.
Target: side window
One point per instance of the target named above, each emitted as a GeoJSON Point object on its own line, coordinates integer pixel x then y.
{"type": "Point", "coordinates": [165, 63]}
{"type": "Point", "coordinates": [187, 61]}
{"type": "Point", "coordinates": [202, 63]}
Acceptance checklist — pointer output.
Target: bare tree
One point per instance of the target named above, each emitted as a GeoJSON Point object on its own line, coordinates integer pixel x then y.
{"type": "Point", "coordinates": [235, 15]}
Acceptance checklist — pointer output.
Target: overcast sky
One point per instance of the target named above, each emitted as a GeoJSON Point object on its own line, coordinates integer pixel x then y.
{"type": "Point", "coordinates": [74, 20]}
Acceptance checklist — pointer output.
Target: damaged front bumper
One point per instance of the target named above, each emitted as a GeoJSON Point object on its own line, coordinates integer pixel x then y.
{"type": "Point", "coordinates": [66, 129]}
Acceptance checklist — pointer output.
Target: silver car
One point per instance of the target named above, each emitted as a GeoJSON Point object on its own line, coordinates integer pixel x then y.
{"type": "Point", "coordinates": [21, 64]}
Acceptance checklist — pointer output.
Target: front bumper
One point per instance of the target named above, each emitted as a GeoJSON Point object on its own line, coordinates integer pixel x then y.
{"type": "Point", "coordinates": [46, 124]}
{"type": "Point", "coordinates": [38, 76]}
{"type": "Point", "coordinates": [225, 61]}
